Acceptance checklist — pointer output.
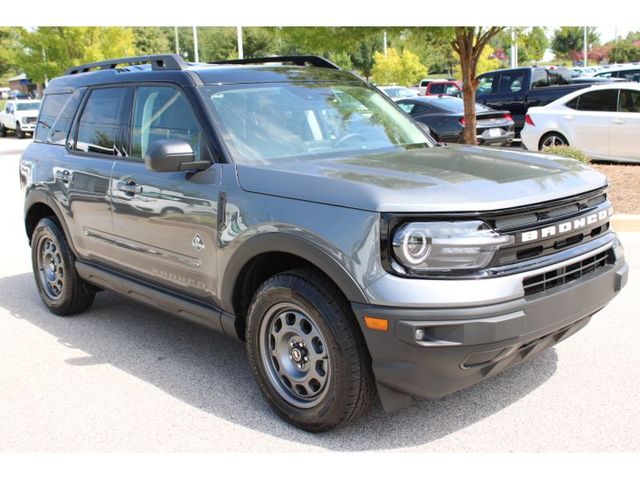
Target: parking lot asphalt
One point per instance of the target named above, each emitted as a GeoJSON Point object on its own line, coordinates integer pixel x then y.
{"type": "Point", "coordinates": [127, 378]}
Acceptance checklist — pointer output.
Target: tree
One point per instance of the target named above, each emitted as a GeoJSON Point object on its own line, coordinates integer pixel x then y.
{"type": "Point", "coordinates": [150, 40]}
{"type": "Point", "coordinates": [362, 57]}
{"type": "Point", "coordinates": [568, 40]}
{"type": "Point", "coordinates": [48, 51]}
{"type": "Point", "coordinates": [7, 50]}
{"type": "Point", "coordinates": [469, 43]}
{"type": "Point", "coordinates": [532, 43]}
{"type": "Point", "coordinates": [624, 51]}
{"type": "Point", "coordinates": [403, 69]}
{"type": "Point", "coordinates": [486, 62]}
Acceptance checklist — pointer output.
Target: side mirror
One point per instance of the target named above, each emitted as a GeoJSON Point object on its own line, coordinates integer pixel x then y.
{"type": "Point", "coordinates": [172, 156]}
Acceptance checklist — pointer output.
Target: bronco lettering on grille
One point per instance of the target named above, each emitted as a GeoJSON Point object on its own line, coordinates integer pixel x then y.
{"type": "Point", "coordinates": [565, 227]}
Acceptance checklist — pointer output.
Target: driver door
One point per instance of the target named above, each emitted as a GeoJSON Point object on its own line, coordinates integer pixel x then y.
{"type": "Point", "coordinates": [165, 222]}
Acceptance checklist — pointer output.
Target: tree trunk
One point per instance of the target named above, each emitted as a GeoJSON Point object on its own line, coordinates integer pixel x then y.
{"type": "Point", "coordinates": [469, 97]}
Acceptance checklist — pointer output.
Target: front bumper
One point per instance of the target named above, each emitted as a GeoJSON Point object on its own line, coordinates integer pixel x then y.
{"type": "Point", "coordinates": [432, 352]}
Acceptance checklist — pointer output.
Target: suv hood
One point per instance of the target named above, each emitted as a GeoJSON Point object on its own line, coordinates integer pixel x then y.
{"type": "Point", "coordinates": [443, 179]}
{"type": "Point", "coordinates": [26, 113]}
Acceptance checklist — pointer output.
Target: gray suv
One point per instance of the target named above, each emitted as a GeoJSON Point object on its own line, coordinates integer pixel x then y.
{"type": "Point", "coordinates": [289, 204]}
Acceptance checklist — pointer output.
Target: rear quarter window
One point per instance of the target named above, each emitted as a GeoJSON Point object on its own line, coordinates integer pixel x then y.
{"type": "Point", "coordinates": [52, 106]}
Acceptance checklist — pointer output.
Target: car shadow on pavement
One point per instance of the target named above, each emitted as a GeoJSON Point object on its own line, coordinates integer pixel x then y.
{"type": "Point", "coordinates": [210, 372]}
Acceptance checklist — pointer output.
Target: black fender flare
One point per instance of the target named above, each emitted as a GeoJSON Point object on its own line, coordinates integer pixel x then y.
{"type": "Point", "coordinates": [286, 243]}
{"type": "Point", "coordinates": [38, 195]}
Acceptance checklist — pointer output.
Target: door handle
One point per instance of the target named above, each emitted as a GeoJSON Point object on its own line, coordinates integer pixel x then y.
{"type": "Point", "coordinates": [618, 121]}
{"type": "Point", "coordinates": [129, 187]}
{"type": "Point", "coordinates": [568, 117]}
{"type": "Point", "coordinates": [64, 176]}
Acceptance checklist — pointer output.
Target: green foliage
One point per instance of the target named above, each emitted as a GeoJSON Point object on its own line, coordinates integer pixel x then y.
{"type": "Point", "coordinates": [568, 152]}
{"type": "Point", "coordinates": [624, 51]}
{"type": "Point", "coordinates": [568, 40]}
{"type": "Point", "coordinates": [149, 40]}
{"type": "Point", "coordinates": [343, 60]}
{"type": "Point", "coordinates": [486, 63]}
{"type": "Point", "coordinates": [362, 57]}
{"type": "Point", "coordinates": [403, 69]}
{"type": "Point", "coordinates": [532, 43]}
{"type": "Point", "coordinates": [431, 44]}
{"type": "Point", "coordinates": [7, 51]}
{"type": "Point", "coordinates": [48, 51]}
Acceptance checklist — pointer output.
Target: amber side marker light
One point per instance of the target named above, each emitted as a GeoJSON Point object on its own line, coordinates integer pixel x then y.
{"type": "Point", "coordinates": [376, 323]}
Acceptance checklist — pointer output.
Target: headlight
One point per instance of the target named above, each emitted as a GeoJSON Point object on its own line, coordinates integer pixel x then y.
{"type": "Point", "coordinates": [424, 247]}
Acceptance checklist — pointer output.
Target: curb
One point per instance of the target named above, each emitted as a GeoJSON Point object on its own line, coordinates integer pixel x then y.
{"type": "Point", "coordinates": [626, 222]}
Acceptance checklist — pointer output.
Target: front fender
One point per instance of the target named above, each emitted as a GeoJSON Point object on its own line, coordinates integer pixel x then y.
{"type": "Point", "coordinates": [276, 242]}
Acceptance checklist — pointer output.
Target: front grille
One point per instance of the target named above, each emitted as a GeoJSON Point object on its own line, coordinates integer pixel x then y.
{"type": "Point", "coordinates": [29, 120]}
{"type": "Point", "coordinates": [540, 216]}
{"type": "Point", "coordinates": [561, 276]}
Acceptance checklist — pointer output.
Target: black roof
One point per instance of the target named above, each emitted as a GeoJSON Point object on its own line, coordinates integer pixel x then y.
{"type": "Point", "coordinates": [174, 70]}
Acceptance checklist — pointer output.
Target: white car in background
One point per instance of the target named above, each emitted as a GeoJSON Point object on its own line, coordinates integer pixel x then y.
{"type": "Point", "coordinates": [394, 91]}
{"type": "Point", "coordinates": [603, 121]}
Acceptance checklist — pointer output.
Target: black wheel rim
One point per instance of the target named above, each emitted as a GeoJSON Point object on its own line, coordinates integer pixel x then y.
{"type": "Point", "coordinates": [294, 354]}
{"type": "Point", "coordinates": [50, 267]}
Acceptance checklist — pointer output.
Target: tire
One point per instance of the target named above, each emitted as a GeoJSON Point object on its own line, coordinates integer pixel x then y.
{"type": "Point", "coordinates": [171, 211]}
{"type": "Point", "coordinates": [552, 139]}
{"type": "Point", "coordinates": [315, 321]}
{"type": "Point", "coordinates": [19, 132]}
{"type": "Point", "coordinates": [3, 131]}
{"type": "Point", "coordinates": [53, 263]}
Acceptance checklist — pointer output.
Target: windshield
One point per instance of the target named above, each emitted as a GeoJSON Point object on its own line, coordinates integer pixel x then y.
{"type": "Point", "coordinates": [270, 123]}
{"type": "Point", "coordinates": [28, 106]}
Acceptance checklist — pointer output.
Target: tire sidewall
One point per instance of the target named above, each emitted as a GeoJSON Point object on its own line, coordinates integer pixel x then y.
{"type": "Point", "coordinates": [48, 228]}
{"type": "Point", "coordinates": [331, 406]}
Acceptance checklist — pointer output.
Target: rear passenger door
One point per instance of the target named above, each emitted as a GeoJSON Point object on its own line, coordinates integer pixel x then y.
{"type": "Point", "coordinates": [166, 222]}
{"type": "Point", "coordinates": [82, 177]}
{"type": "Point", "coordinates": [590, 124]}
{"type": "Point", "coordinates": [625, 126]}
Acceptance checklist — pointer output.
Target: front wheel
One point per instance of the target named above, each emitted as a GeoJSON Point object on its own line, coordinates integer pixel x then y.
{"type": "Point", "coordinates": [3, 131]}
{"type": "Point", "coordinates": [19, 132]}
{"type": "Point", "coordinates": [307, 352]}
{"type": "Point", "coordinates": [552, 139]}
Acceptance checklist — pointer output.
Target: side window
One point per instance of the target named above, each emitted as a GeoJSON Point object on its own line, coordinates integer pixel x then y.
{"type": "Point", "coordinates": [599, 101]}
{"type": "Point", "coordinates": [486, 83]}
{"type": "Point", "coordinates": [60, 129]}
{"type": "Point", "coordinates": [629, 74]}
{"type": "Point", "coordinates": [51, 107]}
{"type": "Point", "coordinates": [629, 101]}
{"type": "Point", "coordinates": [100, 121]}
{"type": "Point", "coordinates": [55, 117]}
{"type": "Point", "coordinates": [437, 88]}
{"type": "Point", "coordinates": [573, 104]}
{"type": "Point", "coordinates": [161, 113]}
{"type": "Point", "coordinates": [540, 78]}
{"type": "Point", "coordinates": [407, 107]}
{"type": "Point", "coordinates": [511, 81]}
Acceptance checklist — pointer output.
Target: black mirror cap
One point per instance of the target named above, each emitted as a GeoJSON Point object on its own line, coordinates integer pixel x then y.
{"type": "Point", "coordinates": [172, 156]}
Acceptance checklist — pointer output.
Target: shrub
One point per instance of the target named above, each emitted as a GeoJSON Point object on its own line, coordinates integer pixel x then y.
{"type": "Point", "coordinates": [568, 152]}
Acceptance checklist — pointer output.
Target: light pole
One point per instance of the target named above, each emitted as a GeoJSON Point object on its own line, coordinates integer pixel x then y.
{"type": "Point", "coordinates": [585, 53]}
{"type": "Point", "coordinates": [240, 47]}
{"type": "Point", "coordinates": [195, 44]}
{"type": "Point", "coordinates": [384, 42]}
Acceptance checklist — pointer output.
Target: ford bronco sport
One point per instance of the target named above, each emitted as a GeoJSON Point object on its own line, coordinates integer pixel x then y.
{"type": "Point", "coordinates": [287, 203]}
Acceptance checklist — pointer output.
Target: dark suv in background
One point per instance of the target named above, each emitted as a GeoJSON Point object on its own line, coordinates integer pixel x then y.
{"type": "Point", "coordinates": [287, 203]}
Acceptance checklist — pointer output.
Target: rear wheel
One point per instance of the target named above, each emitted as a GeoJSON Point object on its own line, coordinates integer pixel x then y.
{"type": "Point", "coordinates": [59, 285]}
{"type": "Point", "coordinates": [307, 351]}
{"type": "Point", "coordinates": [553, 139]}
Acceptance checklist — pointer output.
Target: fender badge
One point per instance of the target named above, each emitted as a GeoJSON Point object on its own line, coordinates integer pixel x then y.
{"type": "Point", "coordinates": [197, 242]}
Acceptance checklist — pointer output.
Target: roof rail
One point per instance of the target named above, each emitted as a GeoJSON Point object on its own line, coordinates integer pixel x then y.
{"type": "Point", "coordinates": [169, 61]}
{"type": "Point", "coordinates": [300, 60]}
